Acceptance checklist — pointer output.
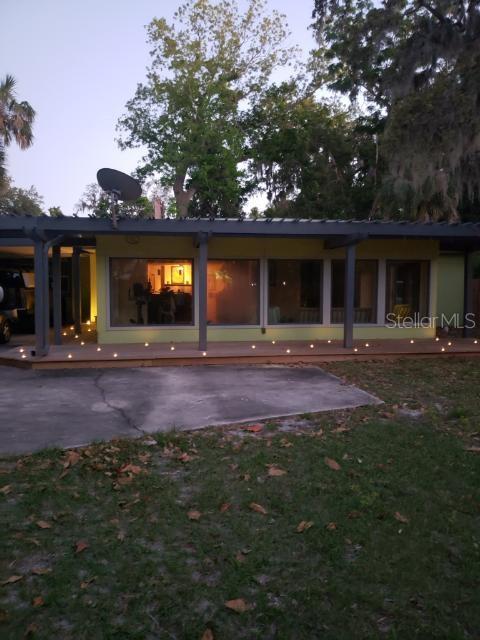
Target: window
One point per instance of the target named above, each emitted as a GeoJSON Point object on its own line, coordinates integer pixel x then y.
{"type": "Point", "coordinates": [150, 292]}
{"type": "Point", "coordinates": [407, 288]}
{"type": "Point", "coordinates": [365, 297]}
{"type": "Point", "coordinates": [294, 292]}
{"type": "Point", "coordinates": [233, 292]}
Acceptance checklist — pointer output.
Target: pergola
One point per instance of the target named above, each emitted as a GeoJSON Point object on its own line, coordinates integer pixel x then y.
{"type": "Point", "coordinates": [45, 233]}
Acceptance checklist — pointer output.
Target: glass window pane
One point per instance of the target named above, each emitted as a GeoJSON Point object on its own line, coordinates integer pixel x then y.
{"type": "Point", "coordinates": [150, 292]}
{"type": "Point", "coordinates": [365, 291]}
{"type": "Point", "coordinates": [407, 288]}
{"type": "Point", "coordinates": [294, 292]}
{"type": "Point", "coordinates": [233, 292]}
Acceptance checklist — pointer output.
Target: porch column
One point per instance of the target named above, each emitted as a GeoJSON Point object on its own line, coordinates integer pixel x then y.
{"type": "Point", "coordinates": [202, 244]}
{"type": "Point", "coordinates": [467, 294]}
{"type": "Point", "coordinates": [40, 260]}
{"type": "Point", "coordinates": [349, 302]}
{"type": "Point", "coordinates": [57, 294]}
{"type": "Point", "coordinates": [76, 290]}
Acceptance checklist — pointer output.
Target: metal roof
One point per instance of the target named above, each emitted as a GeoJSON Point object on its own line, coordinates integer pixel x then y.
{"type": "Point", "coordinates": [14, 226]}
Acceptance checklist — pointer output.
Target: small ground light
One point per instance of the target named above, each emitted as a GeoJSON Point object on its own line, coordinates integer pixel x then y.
{"type": "Point", "coordinates": [89, 330]}
{"type": "Point", "coordinates": [412, 341]}
{"type": "Point", "coordinates": [437, 339]}
{"type": "Point", "coordinates": [273, 341]}
{"type": "Point", "coordinates": [204, 353]}
{"type": "Point", "coordinates": [449, 344]}
{"type": "Point", "coordinates": [88, 322]}
{"type": "Point", "coordinates": [76, 336]}
{"type": "Point", "coordinates": [311, 346]}
{"type": "Point", "coordinates": [172, 348]}
{"type": "Point", "coordinates": [253, 346]}
{"type": "Point", "coordinates": [64, 333]}
{"type": "Point", "coordinates": [99, 348]}
{"type": "Point", "coordinates": [70, 356]}
{"type": "Point", "coordinates": [24, 355]}
{"type": "Point", "coordinates": [115, 355]}
{"type": "Point", "coordinates": [146, 344]}
{"type": "Point", "coordinates": [288, 350]}
{"type": "Point", "coordinates": [475, 342]}
{"type": "Point", "coordinates": [366, 344]}
{"type": "Point", "coordinates": [355, 349]}
{"type": "Point", "coordinates": [82, 343]}
{"type": "Point", "coordinates": [72, 328]}
{"type": "Point", "coordinates": [443, 348]}
{"type": "Point", "coordinates": [21, 349]}
{"type": "Point", "coordinates": [329, 341]}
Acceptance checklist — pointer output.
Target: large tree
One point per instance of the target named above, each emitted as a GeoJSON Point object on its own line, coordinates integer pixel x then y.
{"type": "Point", "coordinates": [207, 66]}
{"type": "Point", "coordinates": [21, 201]}
{"type": "Point", "coordinates": [94, 202]}
{"type": "Point", "coordinates": [16, 119]}
{"type": "Point", "coordinates": [416, 65]}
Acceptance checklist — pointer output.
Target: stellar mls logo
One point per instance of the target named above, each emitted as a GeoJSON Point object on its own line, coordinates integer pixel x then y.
{"type": "Point", "coordinates": [455, 321]}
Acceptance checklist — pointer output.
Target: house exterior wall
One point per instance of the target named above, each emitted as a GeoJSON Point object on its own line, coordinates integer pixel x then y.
{"type": "Point", "coordinates": [169, 247]}
{"type": "Point", "coordinates": [450, 285]}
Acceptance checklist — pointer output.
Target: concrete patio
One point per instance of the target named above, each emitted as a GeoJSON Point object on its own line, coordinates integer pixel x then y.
{"type": "Point", "coordinates": [41, 409]}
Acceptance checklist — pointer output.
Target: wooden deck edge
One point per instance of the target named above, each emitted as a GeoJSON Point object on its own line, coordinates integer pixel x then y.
{"type": "Point", "coordinates": [225, 360]}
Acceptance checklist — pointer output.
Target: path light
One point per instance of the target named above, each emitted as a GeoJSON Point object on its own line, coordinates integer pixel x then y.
{"type": "Point", "coordinates": [273, 341]}
{"type": "Point", "coordinates": [329, 341]}
{"type": "Point", "coordinates": [475, 342]}
{"type": "Point", "coordinates": [99, 348]}
{"type": "Point", "coordinates": [64, 333]}
{"type": "Point", "coordinates": [288, 350]}
{"type": "Point", "coordinates": [146, 344]}
{"type": "Point", "coordinates": [311, 346]}
{"type": "Point", "coordinates": [76, 336]}
{"type": "Point", "coordinates": [72, 328]}
{"type": "Point", "coordinates": [21, 349]}
{"type": "Point", "coordinates": [253, 346]}
{"type": "Point", "coordinates": [88, 322]}
{"type": "Point", "coordinates": [24, 355]}
{"type": "Point", "coordinates": [82, 344]}
{"type": "Point", "coordinates": [172, 348]}
{"type": "Point", "coordinates": [366, 344]}
{"type": "Point", "coordinates": [443, 349]}
{"type": "Point", "coordinates": [355, 349]}
{"type": "Point", "coordinates": [449, 344]}
{"type": "Point", "coordinates": [115, 355]}
{"type": "Point", "coordinates": [69, 356]}
{"type": "Point", "coordinates": [437, 339]}
{"type": "Point", "coordinates": [89, 330]}
{"type": "Point", "coordinates": [204, 353]}
{"type": "Point", "coordinates": [412, 341]}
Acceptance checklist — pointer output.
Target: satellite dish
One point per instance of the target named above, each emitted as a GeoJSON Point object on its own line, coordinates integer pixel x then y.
{"type": "Point", "coordinates": [119, 186]}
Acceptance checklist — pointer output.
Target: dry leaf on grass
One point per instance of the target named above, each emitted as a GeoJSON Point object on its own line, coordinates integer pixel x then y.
{"type": "Point", "coordinates": [40, 571]}
{"type": "Point", "coordinates": [80, 546]}
{"type": "Point", "coordinates": [71, 459]}
{"type": "Point", "coordinates": [225, 507]}
{"type": "Point", "coordinates": [185, 457]}
{"type": "Point", "coordinates": [254, 506]}
{"type": "Point", "coordinates": [6, 489]}
{"type": "Point", "coordinates": [12, 579]}
{"type": "Point", "coordinates": [194, 515]}
{"type": "Point", "coordinates": [331, 526]}
{"type": "Point", "coordinates": [401, 518]}
{"type": "Point", "coordinates": [253, 428]}
{"type": "Point", "coordinates": [238, 605]}
{"type": "Point", "coordinates": [42, 524]}
{"type": "Point", "coordinates": [304, 526]}
{"type": "Point", "coordinates": [240, 557]}
{"type": "Point", "coordinates": [275, 472]}
{"type": "Point", "coordinates": [38, 601]}
{"type": "Point", "coordinates": [130, 468]}
{"type": "Point", "coordinates": [208, 635]}
{"type": "Point", "coordinates": [333, 464]}
{"type": "Point", "coordinates": [473, 449]}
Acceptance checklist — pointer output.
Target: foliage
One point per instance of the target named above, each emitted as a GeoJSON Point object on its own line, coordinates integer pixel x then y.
{"type": "Point", "coordinates": [55, 212]}
{"type": "Point", "coordinates": [95, 203]}
{"type": "Point", "coordinates": [16, 119]}
{"type": "Point", "coordinates": [21, 201]}
{"type": "Point", "coordinates": [207, 66]}
{"type": "Point", "coordinates": [415, 64]}
{"type": "Point", "coordinates": [312, 158]}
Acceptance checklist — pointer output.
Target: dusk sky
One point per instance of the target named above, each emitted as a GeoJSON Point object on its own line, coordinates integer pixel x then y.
{"type": "Point", "coordinates": [78, 62]}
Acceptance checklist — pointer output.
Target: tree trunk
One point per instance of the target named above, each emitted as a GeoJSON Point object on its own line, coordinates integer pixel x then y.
{"type": "Point", "coordinates": [183, 196]}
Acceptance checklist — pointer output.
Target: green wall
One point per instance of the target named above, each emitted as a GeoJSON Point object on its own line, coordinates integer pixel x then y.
{"type": "Point", "coordinates": [450, 285]}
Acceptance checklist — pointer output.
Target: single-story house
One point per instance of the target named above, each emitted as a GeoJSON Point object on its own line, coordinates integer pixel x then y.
{"type": "Point", "coordinates": [216, 279]}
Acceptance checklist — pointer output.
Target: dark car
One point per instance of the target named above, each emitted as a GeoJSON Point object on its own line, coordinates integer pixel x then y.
{"type": "Point", "coordinates": [16, 302]}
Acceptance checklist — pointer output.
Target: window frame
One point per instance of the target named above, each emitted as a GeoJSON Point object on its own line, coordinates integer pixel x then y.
{"type": "Point", "coordinates": [375, 316]}
{"type": "Point", "coordinates": [428, 262]}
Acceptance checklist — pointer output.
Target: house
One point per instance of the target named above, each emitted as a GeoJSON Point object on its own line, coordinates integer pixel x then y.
{"type": "Point", "coordinates": [204, 280]}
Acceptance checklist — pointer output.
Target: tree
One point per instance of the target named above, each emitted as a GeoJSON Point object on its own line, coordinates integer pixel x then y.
{"type": "Point", "coordinates": [55, 212]}
{"type": "Point", "coordinates": [95, 202]}
{"type": "Point", "coordinates": [416, 65]}
{"type": "Point", "coordinates": [312, 158]}
{"type": "Point", "coordinates": [21, 201]}
{"type": "Point", "coordinates": [16, 119]}
{"type": "Point", "coordinates": [208, 65]}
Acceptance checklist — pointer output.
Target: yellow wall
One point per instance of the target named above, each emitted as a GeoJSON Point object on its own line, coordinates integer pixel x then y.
{"type": "Point", "coordinates": [183, 247]}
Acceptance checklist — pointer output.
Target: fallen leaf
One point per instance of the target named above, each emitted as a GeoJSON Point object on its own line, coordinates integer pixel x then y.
{"type": "Point", "coordinates": [194, 515]}
{"type": "Point", "coordinates": [398, 516]}
{"type": "Point", "coordinates": [471, 449]}
{"type": "Point", "coordinates": [208, 635]}
{"type": "Point", "coordinates": [258, 508]}
{"type": "Point", "coordinates": [246, 477]}
{"type": "Point", "coordinates": [80, 546]}
{"type": "Point", "coordinates": [333, 464]}
{"type": "Point", "coordinates": [130, 468]}
{"type": "Point", "coordinates": [38, 601]}
{"type": "Point", "coordinates": [85, 583]}
{"type": "Point", "coordinates": [185, 457]}
{"type": "Point", "coordinates": [275, 472]}
{"type": "Point", "coordinates": [353, 515]}
{"type": "Point", "coordinates": [238, 605]}
{"type": "Point", "coordinates": [304, 526]}
{"type": "Point", "coordinates": [12, 579]}
{"type": "Point", "coordinates": [71, 459]}
{"type": "Point", "coordinates": [331, 526]}
{"type": "Point", "coordinates": [254, 428]}
{"type": "Point", "coordinates": [40, 571]}
{"type": "Point", "coordinates": [286, 443]}
{"type": "Point", "coordinates": [240, 557]}
{"type": "Point", "coordinates": [6, 489]}
{"type": "Point", "coordinates": [225, 507]}
{"type": "Point", "coordinates": [42, 524]}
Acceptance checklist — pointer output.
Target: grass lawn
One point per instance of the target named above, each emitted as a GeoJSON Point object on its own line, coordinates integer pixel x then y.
{"type": "Point", "coordinates": [353, 524]}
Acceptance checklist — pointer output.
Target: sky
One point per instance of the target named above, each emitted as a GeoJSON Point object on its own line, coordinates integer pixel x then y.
{"type": "Point", "coordinates": [78, 62]}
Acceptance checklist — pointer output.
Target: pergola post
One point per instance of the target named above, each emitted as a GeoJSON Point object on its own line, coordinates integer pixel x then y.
{"type": "Point", "coordinates": [41, 298]}
{"type": "Point", "coordinates": [57, 294]}
{"type": "Point", "coordinates": [202, 244]}
{"type": "Point", "coordinates": [349, 299]}
{"type": "Point", "coordinates": [76, 290]}
{"type": "Point", "coordinates": [467, 294]}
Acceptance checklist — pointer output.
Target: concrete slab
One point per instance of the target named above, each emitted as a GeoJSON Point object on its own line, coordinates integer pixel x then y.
{"type": "Point", "coordinates": [70, 408]}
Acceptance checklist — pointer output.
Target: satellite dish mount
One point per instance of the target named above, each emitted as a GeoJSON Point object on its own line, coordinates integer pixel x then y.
{"type": "Point", "coordinates": [119, 187]}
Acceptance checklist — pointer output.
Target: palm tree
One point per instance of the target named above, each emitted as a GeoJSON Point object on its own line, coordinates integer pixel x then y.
{"type": "Point", "coordinates": [16, 119]}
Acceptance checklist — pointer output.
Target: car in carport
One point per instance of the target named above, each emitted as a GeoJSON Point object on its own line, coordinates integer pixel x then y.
{"type": "Point", "coordinates": [16, 302]}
